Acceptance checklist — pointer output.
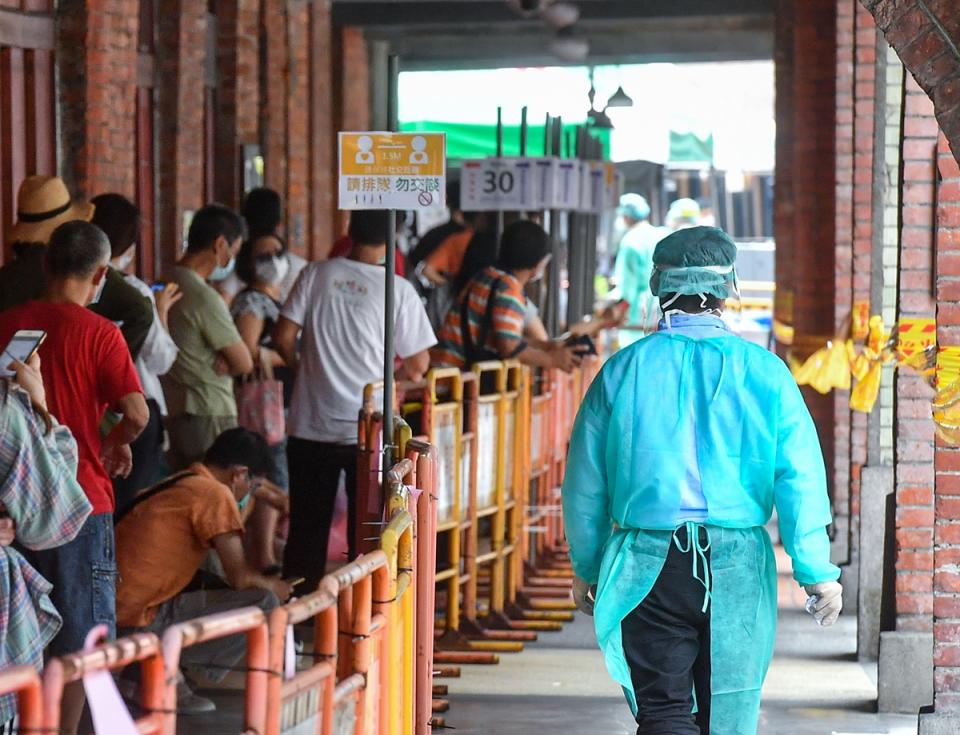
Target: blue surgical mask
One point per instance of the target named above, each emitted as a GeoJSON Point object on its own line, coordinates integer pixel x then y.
{"type": "Point", "coordinates": [244, 501]}
{"type": "Point", "coordinates": [222, 272]}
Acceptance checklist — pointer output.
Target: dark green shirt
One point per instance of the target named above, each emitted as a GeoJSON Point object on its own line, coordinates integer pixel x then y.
{"type": "Point", "coordinates": [23, 280]}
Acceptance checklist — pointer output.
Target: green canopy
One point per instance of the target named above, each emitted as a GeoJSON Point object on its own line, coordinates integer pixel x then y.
{"type": "Point", "coordinates": [469, 140]}
{"type": "Point", "coordinates": [690, 148]}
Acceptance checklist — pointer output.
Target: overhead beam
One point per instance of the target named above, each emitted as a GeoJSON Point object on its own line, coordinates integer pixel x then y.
{"type": "Point", "coordinates": [415, 13]}
{"type": "Point", "coordinates": [661, 40]}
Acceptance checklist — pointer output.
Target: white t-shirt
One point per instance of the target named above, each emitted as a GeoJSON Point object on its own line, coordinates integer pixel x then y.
{"type": "Point", "coordinates": [339, 305]}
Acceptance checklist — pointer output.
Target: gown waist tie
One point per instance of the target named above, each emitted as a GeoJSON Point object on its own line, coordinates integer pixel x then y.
{"type": "Point", "coordinates": [698, 553]}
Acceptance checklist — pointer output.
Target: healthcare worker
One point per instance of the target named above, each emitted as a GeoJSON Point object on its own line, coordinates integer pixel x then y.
{"type": "Point", "coordinates": [683, 214]}
{"type": "Point", "coordinates": [684, 445]}
{"type": "Point", "coordinates": [634, 265]}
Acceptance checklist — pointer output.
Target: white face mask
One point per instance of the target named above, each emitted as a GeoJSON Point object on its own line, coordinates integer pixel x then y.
{"type": "Point", "coordinates": [272, 271]}
{"type": "Point", "coordinates": [124, 261]}
{"type": "Point", "coordinates": [99, 291]}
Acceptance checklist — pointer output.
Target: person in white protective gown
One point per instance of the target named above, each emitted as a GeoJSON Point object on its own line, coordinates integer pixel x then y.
{"type": "Point", "coordinates": [685, 444]}
{"type": "Point", "coordinates": [633, 267]}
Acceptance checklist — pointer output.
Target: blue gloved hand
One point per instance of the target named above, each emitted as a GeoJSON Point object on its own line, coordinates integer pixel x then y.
{"type": "Point", "coordinates": [825, 602]}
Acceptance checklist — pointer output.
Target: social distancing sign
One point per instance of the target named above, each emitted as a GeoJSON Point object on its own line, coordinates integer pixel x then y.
{"type": "Point", "coordinates": [380, 170]}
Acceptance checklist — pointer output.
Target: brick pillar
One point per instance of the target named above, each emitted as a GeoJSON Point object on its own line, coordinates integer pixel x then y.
{"type": "Point", "coordinates": [783, 174]}
{"type": "Point", "coordinates": [238, 88]}
{"type": "Point", "coordinates": [805, 211]}
{"type": "Point", "coordinates": [946, 579]}
{"type": "Point", "coordinates": [97, 60]}
{"type": "Point", "coordinates": [322, 138]}
{"type": "Point", "coordinates": [352, 92]}
{"type": "Point", "coordinates": [906, 644]}
{"type": "Point", "coordinates": [273, 100]}
{"type": "Point", "coordinates": [181, 55]}
{"type": "Point", "coordinates": [915, 452]}
{"type": "Point", "coordinates": [298, 122]}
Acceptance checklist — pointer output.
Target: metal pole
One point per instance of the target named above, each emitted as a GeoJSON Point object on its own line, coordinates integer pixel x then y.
{"type": "Point", "coordinates": [523, 131]}
{"type": "Point", "coordinates": [499, 155]}
{"type": "Point", "coordinates": [553, 282]}
{"type": "Point", "coordinates": [389, 282]}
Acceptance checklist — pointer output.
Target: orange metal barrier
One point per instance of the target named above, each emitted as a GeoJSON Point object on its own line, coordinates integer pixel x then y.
{"type": "Point", "coordinates": [250, 622]}
{"type": "Point", "coordinates": [24, 682]}
{"type": "Point", "coordinates": [307, 696]}
{"type": "Point", "coordinates": [142, 648]}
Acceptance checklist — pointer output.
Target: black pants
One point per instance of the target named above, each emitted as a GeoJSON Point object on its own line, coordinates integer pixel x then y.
{"type": "Point", "coordinates": [149, 465]}
{"type": "Point", "coordinates": [666, 641]}
{"type": "Point", "coordinates": [314, 476]}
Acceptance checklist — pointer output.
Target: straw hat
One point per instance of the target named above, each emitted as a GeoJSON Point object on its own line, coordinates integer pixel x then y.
{"type": "Point", "coordinates": [43, 203]}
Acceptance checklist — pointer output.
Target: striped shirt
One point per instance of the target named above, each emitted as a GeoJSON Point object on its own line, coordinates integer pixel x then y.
{"type": "Point", "coordinates": [504, 334]}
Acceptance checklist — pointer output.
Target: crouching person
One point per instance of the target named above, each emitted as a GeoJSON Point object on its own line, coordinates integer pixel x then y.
{"type": "Point", "coordinates": [164, 536]}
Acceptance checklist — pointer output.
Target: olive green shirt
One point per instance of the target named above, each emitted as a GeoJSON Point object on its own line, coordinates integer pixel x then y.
{"type": "Point", "coordinates": [201, 326]}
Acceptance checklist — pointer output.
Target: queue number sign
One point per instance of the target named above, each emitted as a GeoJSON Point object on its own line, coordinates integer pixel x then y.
{"type": "Point", "coordinates": [491, 184]}
{"type": "Point", "coordinates": [380, 170]}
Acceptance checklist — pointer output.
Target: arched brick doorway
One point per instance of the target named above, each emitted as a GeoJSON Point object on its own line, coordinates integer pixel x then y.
{"type": "Point", "coordinates": [926, 35]}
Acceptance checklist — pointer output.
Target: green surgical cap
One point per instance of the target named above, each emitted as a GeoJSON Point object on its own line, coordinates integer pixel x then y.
{"type": "Point", "coordinates": [696, 260]}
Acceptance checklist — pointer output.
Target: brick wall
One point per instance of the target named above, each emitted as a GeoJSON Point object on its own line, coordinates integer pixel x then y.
{"type": "Point", "coordinates": [277, 67]}
{"type": "Point", "coordinates": [927, 35]}
{"type": "Point", "coordinates": [97, 42]}
{"type": "Point", "coordinates": [914, 471]}
{"type": "Point", "coordinates": [946, 580]}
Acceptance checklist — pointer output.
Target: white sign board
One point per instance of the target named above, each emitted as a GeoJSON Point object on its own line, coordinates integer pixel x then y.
{"type": "Point", "coordinates": [567, 192]}
{"type": "Point", "coordinates": [495, 184]}
{"type": "Point", "coordinates": [593, 189]}
{"type": "Point", "coordinates": [392, 170]}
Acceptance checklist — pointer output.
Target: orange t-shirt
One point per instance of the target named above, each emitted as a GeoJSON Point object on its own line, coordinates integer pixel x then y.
{"type": "Point", "coordinates": [163, 540]}
{"type": "Point", "coordinates": [448, 257]}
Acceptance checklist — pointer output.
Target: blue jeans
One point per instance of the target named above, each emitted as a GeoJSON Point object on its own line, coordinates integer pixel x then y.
{"type": "Point", "coordinates": [83, 573]}
{"type": "Point", "coordinates": [281, 473]}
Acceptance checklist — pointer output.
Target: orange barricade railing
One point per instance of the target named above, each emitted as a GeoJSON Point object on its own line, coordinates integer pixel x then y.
{"type": "Point", "coordinates": [249, 622]}
{"type": "Point", "coordinates": [487, 487]}
{"type": "Point", "coordinates": [24, 682]}
{"type": "Point", "coordinates": [300, 697]}
{"type": "Point", "coordinates": [142, 648]}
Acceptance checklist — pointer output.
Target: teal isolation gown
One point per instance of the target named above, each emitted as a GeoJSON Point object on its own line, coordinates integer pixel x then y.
{"type": "Point", "coordinates": [697, 401]}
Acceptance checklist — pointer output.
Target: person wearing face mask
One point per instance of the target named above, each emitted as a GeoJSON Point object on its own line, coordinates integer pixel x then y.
{"type": "Point", "coordinates": [120, 301]}
{"type": "Point", "coordinates": [86, 369]}
{"type": "Point", "coordinates": [683, 447]}
{"type": "Point", "coordinates": [120, 219]}
{"type": "Point", "coordinates": [263, 265]}
{"type": "Point", "coordinates": [164, 536]}
{"type": "Point", "coordinates": [488, 321]}
{"type": "Point", "coordinates": [199, 386]}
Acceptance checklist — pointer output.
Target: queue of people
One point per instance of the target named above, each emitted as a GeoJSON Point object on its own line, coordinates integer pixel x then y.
{"type": "Point", "coordinates": [137, 412]}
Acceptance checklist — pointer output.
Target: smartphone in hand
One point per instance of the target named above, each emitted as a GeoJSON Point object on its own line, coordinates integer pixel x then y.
{"type": "Point", "coordinates": [21, 348]}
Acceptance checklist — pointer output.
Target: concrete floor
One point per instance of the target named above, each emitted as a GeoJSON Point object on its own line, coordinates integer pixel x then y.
{"type": "Point", "coordinates": [559, 685]}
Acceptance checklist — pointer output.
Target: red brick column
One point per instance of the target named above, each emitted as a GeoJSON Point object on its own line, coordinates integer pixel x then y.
{"type": "Point", "coordinates": [238, 89]}
{"type": "Point", "coordinates": [322, 139]}
{"type": "Point", "coordinates": [181, 55]}
{"type": "Point", "coordinates": [946, 580]}
{"type": "Point", "coordinates": [805, 212]}
{"type": "Point", "coordinates": [298, 124]}
{"type": "Point", "coordinates": [97, 53]}
{"type": "Point", "coordinates": [864, 93]}
{"type": "Point", "coordinates": [914, 471]}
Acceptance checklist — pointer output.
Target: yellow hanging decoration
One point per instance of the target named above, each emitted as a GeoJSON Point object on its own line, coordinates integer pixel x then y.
{"type": "Point", "coordinates": [826, 369]}
{"type": "Point", "coordinates": [946, 412]}
{"type": "Point", "coordinates": [867, 366]}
